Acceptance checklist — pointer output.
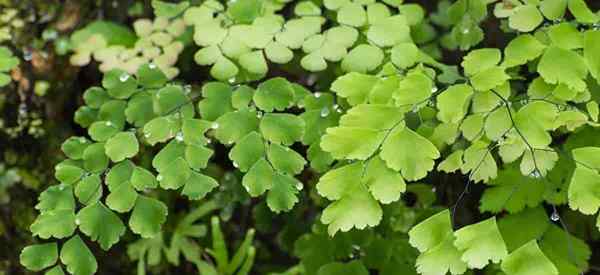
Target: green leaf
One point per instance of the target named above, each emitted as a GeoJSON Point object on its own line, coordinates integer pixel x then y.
{"type": "Point", "coordinates": [101, 225]}
{"type": "Point", "coordinates": [453, 103]}
{"type": "Point", "coordinates": [413, 90]}
{"type": "Point", "coordinates": [94, 158]}
{"type": "Point", "coordinates": [385, 184]}
{"type": "Point", "coordinates": [122, 146]}
{"type": "Point", "coordinates": [57, 197]}
{"type": "Point", "coordinates": [489, 79]}
{"type": "Point", "coordinates": [142, 179]}
{"type": "Point", "coordinates": [233, 126]}
{"type": "Point", "coordinates": [553, 9]}
{"type": "Point", "coordinates": [247, 151]}
{"type": "Point", "coordinates": [352, 14]}
{"type": "Point", "coordinates": [95, 97]}
{"type": "Point", "coordinates": [522, 49]}
{"type": "Point", "coordinates": [352, 142]}
{"type": "Point", "coordinates": [565, 36]}
{"type": "Point", "coordinates": [169, 10]}
{"type": "Point", "coordinates": [282, 128]}
{"type": "Point", "coordinates": [89, 190]}
{"type": "Point", "coordinates": [479, 162]}
{"type": "Point", "coordinates": [150, 76]}
{"type": "Point", "coordinates": [512, 191]}
{"type": "Point", "coordinates": [174, 175]}
{"type": "Point", "coordinates": [582, 12]}
{"type": "Point", "coordinates": [363, 58]}
{"type": "Point", "coordinates": [285, 160]}
{"type": "Point", "coordinates": [282, 194]}
{"type": "Point", "coordinates": [528, 260]}
{"type": "Point", "coordinates": [355, 87]}
{"type": "Point", "coordinates": [481, 243]}
{"type": "Point", "coordinates": [119, 84]}
{"type": "Point", "coordinates": [58, 224]}
{"type": "Point", "coordinates": [198, 186]}
{"type": "Point", "coordinates": [224, 69]}
{"type": "Point", "coordinates": [122, 198]}
{"type": "Point", "coordinates": [274, 94]}
{"type": "Point", "coordinates": [170, 99]}
{"type": "Point", "coordinates": [113, 33]}
{"type": "Point", "coordinates": [216, 100]}
{"type": "Point", "coordinates": [399, 154]}
{"type": "Point", "coordinates": [259, 178]}
{"type": "Point", "coordinates": [159, 129]}
{"type": "Point", "coordinates": [392, 31]}
{"type": "Point", "coordinates": [39, 256]}
{"type": "Point", "coordinates": [434, 239]}
{"type": "Point", "coordinates": [147, 217]}
{"type": "Point", "coordinates": [77, 257]}
{"type": "Point", "coordinates": [57, 270]}
{"type": "Point", "coordinates": [525, 18]}
{"type": "Point", "coordinates": [68, 172]}
{"type": "Point", "coordinates": [563, 66]}
{"type": "Point", "coordinates": [356, 208]}
{"type": "Point", "coordinates": [583, 189]}
{"type": "Point", "coordinates": [119, 174]}
{"type": "Point", "coordinates": [102, 130]}
{"type": "Point", "coordinates": [350, 268]}
{"type": "Point", "coordinates": [245, 11]}
{"type": "Point", "coordinates": [480, 60]}
{"type": "Point", "coordinates": [405, 55]}
{"type": "Point", "coordinates": [254, 62]}
{"type": "Point", "coordinates": [591, 55]}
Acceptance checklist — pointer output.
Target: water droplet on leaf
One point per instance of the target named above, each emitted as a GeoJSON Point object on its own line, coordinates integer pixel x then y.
{"type": "Point", "coordinates": [324, 112]}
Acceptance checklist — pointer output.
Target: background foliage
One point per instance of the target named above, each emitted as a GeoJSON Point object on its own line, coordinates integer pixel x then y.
{"type": "Point", "coordinates": [299, 137]}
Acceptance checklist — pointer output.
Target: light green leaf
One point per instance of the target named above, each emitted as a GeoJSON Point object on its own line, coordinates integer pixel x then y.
{"type": "Point", "coordinates": [56, 197]}
{"type": "Point", "coordinates": [352, 14]}
{"type": "Point", "coordinates": [528, 260]}
{"type": "Point", "coordinates": [399, 154]}
{"type": "Point", "coordinates": [522, 49]}
{"type": "Point", "coordinates": [453, 103]}
{"type": "Point", "coordinates": [364, 58]}
{"type": "Point", "coordinates": [385, 184]}
{"type": "Point", "coordinates": [351, 142]}
{"type": "Point", "coordinates": [563, 66]}
{"type": "Point", "coordinates": [479, 162]}
{"type": "Point", "coordinates": [233, 126]}
{"type": "Point", "coordinates": [480, 60]}
{"type": "Point", "coordinates": [413, 90]}
{"type": "Point", "coordinates": [525, 18]}
{"type": "Point", "coordinates": [481, 243]}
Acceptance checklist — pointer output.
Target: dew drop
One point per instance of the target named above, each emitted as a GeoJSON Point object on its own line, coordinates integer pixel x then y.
{"type": "Point", "coordinates": [27, 54]}
{"type": "Point", "coordinates": [434, 89]}
{"type": "Point", "coordinates": [231, 80]}
{"type": "Point", "coordinates": [108, 123]}
{"type": "Point", "coordinates": [187, 89]}
{"type": "Point", "coordinates": [61, 187]}
{"type": "Point", "coordinates": [235, 164]}
{"type": "Point", "coordinates": [77, 222]}
{"type": "Point", "coordinates": [147, 135]}
{"type": "Point", "coordinates": [179, 137]}
{"type": "Point", "coordinates": [215, 125]}
{"type": "Point", "coordinates": [82, 140]}
{"type": "Point", "coordinates": [554, 217]}
{"type": "Point", "coordinates": [299, 186]}
{"type": "Point", "coordinates": [124, 77]}
{"type": "Point", "coordinates": [535, 174]}
{"type": "Point", "coordinates": [159, 178]}
{"type": "Point", "coordinates": [324, 112]}
{"type": "Point", "coordinates": [466, 31]}
{"type": "Point", "coordinates": [317, 94]}
{"type": "Point", "coordinates": [152, 66]}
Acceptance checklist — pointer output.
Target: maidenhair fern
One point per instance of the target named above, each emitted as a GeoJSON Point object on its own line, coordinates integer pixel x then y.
{"type": "Point", "coordinates": [389, 119]}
